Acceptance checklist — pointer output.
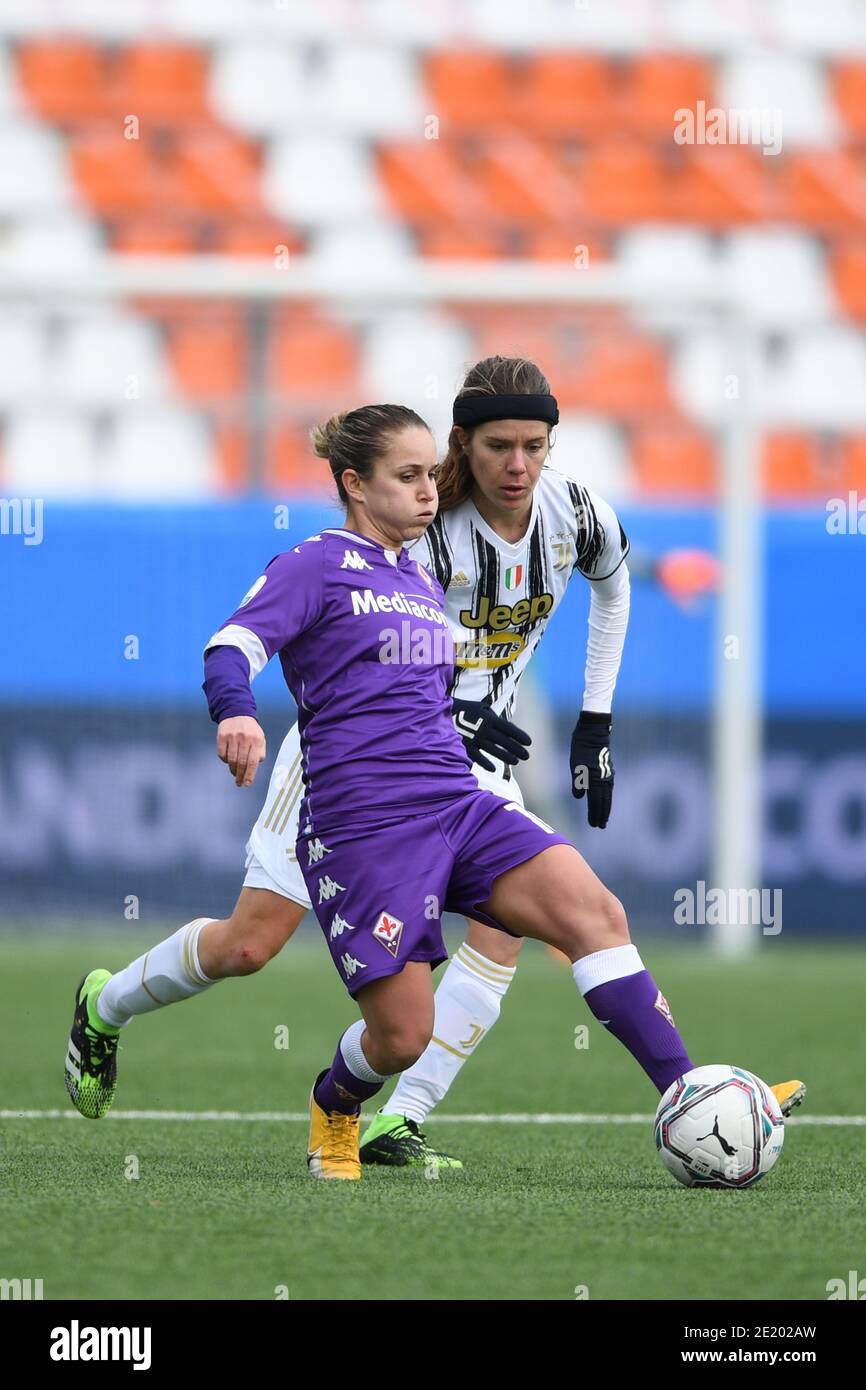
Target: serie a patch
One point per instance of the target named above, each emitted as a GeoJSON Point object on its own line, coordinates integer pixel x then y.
{"type": "Point", "coordinates": [388, 932]}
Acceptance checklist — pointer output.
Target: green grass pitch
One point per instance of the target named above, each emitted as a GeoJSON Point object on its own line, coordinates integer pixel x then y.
{"type": "Point", "coordinates": [225, 1210]}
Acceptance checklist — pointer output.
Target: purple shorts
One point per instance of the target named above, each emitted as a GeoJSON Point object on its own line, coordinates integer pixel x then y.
{"type": "Point", "coordinates": [379, 891]}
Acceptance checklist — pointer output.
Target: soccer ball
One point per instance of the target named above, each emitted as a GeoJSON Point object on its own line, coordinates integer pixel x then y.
{"type": "Point", "coordinates": [719, 1127]}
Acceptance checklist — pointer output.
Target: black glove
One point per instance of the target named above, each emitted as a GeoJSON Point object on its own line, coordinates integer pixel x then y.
{"type": "Point", "coordinates": [484, 731]}
{"type": "Point", "coordinates": [591, 767]}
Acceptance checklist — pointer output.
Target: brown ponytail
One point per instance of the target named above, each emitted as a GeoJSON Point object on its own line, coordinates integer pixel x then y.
{"type": "Point", "coordinates": [357, 438]}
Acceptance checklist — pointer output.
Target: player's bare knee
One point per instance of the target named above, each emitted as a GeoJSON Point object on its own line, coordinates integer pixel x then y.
{"type": "Point", "coordinates": [599, 924]}
{"type": "Point", "coordinates": [399, 1046]}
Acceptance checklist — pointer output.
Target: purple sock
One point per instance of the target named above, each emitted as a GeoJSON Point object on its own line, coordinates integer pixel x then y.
{"type": "Point", "coordinates": [340, 1089]}
{"type": "Point", "coordinates": [634, 1009]}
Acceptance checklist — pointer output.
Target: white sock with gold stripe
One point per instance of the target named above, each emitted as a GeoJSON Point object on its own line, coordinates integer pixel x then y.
{"type": "Point", "coordinates": [167, 973]}
{"type": "Point", "coordinates": [467, 1006]}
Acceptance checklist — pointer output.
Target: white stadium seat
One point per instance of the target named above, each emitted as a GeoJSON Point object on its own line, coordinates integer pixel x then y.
{"type": "Point", "coordinates": [73, 239]}
{"type": "Point", "coordinates": [653, 252]}
{"type": "Point", "coordinates": [790, 83]}
{"type": "Point", "coordinates": [50, 453]}
{"type": "Point", "coordinates": [260, 87]}
{"type": "Point", "coordinates": [593, 452]}
{"type": "Point", "coordinates": [375, 247]}
{"type": "Point", "coordinates": [781, 274]}
{"type": "Point", "coordinates": [373, 92]}
{"type": "Point", "coordinates": [818, 380]}
{"type": "Point", "coordinates": [316, 180]}
{"type": "Point", "coordinates": [107, 359]}
{"type": "Point", "coordinates": [163, 454]}
{"type": "Point", "coordinates": [33, 172]}
{"type": "Point", "coordinates": [417, 358]}
{"type": "Point", "coordinates": [24, 362]}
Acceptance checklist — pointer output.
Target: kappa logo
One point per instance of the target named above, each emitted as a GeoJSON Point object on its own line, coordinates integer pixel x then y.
{"type": "Point", "coordinates": [460, 580]}
{"type": "Point", "coordinates": [388, 931]}
{"type": "Point", "coordinates": [351, 965]}
{"type": "Point", "coordinates": [339, 925]}
{"type": "Point", "coordinates": [329, 889]}
{"type": "Point", "coordinates": [317, 851]}
{"type": "Point", "coordinates": [353, 561]}
{"type": "Point", "coordinates": [664, 1009]}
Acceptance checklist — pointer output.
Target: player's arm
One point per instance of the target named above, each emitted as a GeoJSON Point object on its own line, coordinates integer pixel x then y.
{"type": "Point", "coordinates": [604, 566]}
{"type": "Point", "coordinates": [283, 603]}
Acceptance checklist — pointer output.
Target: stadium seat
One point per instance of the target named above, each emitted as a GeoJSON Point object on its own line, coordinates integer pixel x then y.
{"type": "Point", "coordinates": [781, 274]}
{"type": "Point", "coordinates": [369, 91]}
{"type": "Point", "coordinates": [620, 374]}
{"type": "Point", "coordinates": [161, 82]}
{"type": "Point", "coordinates": [35, 240]}
{"type": "Point", "coordinates": [849, 93]}
{"type": "Point", "coordinates": [470, 90]}
{"type": "Point", "coordinates": [524, 183]}
{"type": "Point", "coordinates": [415, 356]}
{"type": "Point", "coordinates": [108, 358]}
{"type": "Point", "coordinates": [826, 190]}
{"type": "Point", "coordinates": [569, 246]}
{"type": "Point", "coordinates": [592, 451]}
{"type": "Point", "coordinates": [33, 170]}
{"type": "Point", "coordinates": [312, 358]}
{"type": "Point", "coordinates": [453, 242]}
{"type": "Point", "coordinates": [853, 451]}
{"type": "Point", "coordinates": [24, 359]}
{"type": "Point", "coordinates": [650, 252]}
{"type": "Point", "coordinates": [248, 235]}
{"type": "Point", "coordinates": [723, 186]}
{"type": "Point", "coordinates": [291, 465]}
{"type": "Point", "coordinates": [673, 460]}
{"type": "Point", "coordinates": [118, 176]}
{"type": "Point", "coordinates": [624, 181]}
{"type": "Point", "coordinates": [208, 357]}
{"type": "Point", "coordinates": [818, 380]}
{"type": "Point", "coordinates": [566, 96]}
{"type": "Point", "coordinates": [428, 182]}
{"type": "Point", "coordinates": [656, 86]}
{"type": "Point", "coordinates": [163, 454]}
{"type": "Point", "coordinates": [50, 452]}
{"type": "Point", "coordinates": [316, 180]}
{"type": "Point", "coordinates": [848, 274]}
{"type": "Point", "coordinates": [376, 246]}
{"type": "Point", "coordinates": [259, 88]}
{"type": "Point", "coordinates": [790, 84]}
{"type": "Point", "coordinates": [792, 466]}
{"type": "Point", "coordinates": [214, 172]}
{"type": "Point", "coordinates": [154, 235]}
{"type": "Point", "coordinates": [65, 80]}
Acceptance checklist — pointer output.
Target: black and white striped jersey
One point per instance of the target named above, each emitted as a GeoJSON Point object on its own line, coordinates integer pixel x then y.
{"type": "Point", "coordinates": [501, 595]}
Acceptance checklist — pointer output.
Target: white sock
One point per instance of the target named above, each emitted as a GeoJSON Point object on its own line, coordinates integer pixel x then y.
{"type": "Point", "coordinates": [599, 968]}
{"type": "Point", "coordinates": [467, 1006]}
{"type": "Point", "coordinates": [167, 973]}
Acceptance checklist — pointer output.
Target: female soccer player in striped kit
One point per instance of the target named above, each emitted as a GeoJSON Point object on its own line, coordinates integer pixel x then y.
{"type": "Point", "coordinates": [505, 507]}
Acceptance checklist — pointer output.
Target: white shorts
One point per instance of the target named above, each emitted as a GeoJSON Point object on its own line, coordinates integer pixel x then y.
{"type": "Point", "coordinates": [271, 859]}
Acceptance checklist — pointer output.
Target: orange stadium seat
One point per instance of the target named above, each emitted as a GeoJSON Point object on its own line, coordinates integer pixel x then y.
{"type": "Point", "coordinates": [725, 185]}
{"type": "Point", "coordinates": [853, 451]}
{"type": "Point", "coordinates": [231, 450]}
{"type": "Point", "coordinates": [524, 182]}
{"type": "Point", "coordinates": [251, 236]}
{"type": "Point", "coordinates": [291, 464]}
{"type": "Point", "coordinates": [792, 465]}
{"type": "Point", "coordinates": [849, 92]}
{"type": "Point", "coordinates": [848, 273]}
{"type": "Point", "coordinates": [621, 375]}
{"type": "Point", "coordinates": [161, 82]}
{"type": "Point", "coordinates": [209, 357]}
{"type": "Point", "coordinates": [673, 460]}
{"type": "Point", "coordinates": [656, 87]}
{"type": "Point", "coordinates": [622, 181]}
{"type": "Point", "coordinates": [426, 181]}
{"type": "Point", "coordinates": [565, 246]}
{"type": "Point", "coordinates": [312, 356]}
{"type": "Point", "coordinates": [216, 172]}
{"type": "Point", "coordinates": [565, 95]}
{"type": "Point", "coordinates": [454, 242]}
{"type": "Point", "coordinates": [64, 80]}
{"type": "Point", "coordinates": [153, 236]}
{"type": "Point", "coordinates": [826, 190]}
{"type": "Point", "coordinates": [470, 90]}
{"type": "Point", "coordinates": [115, 175]}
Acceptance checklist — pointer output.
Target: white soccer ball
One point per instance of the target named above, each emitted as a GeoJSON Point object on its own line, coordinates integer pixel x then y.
{"type": "Point", "coordinates": [719, 1127]}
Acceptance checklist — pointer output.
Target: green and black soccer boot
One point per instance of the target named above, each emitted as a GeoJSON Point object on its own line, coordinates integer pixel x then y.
{"type": "Point", "coordinates": [90, 1072]}
{"type": "Point", "coordinates": [396, 1142]}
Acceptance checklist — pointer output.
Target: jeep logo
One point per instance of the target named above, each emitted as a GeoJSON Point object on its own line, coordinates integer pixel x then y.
{"type": "Point", "coordinates": [524, 611]}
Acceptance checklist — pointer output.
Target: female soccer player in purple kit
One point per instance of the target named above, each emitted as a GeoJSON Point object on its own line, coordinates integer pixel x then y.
{"type": "Point", "coordinates": [394, 828]}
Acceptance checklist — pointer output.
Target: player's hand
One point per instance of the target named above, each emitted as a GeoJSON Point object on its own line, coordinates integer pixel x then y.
{"type": "Point", "coordinates": [591, 767]}
{"type": "Point", "coordinates": [241, 744]}
{"type": "Point", "coordinates": [485, 732]}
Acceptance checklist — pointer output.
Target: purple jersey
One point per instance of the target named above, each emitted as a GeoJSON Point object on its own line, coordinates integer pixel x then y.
{"type": "Point", "coordinates": [368, 656]}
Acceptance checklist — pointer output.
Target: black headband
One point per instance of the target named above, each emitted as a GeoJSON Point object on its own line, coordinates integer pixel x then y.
{"type": "Point", "coordinates": [477, 407]}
